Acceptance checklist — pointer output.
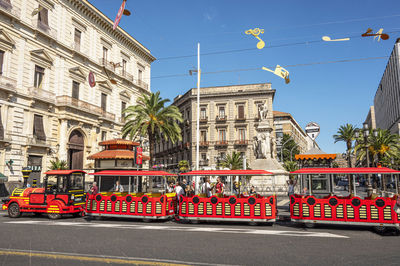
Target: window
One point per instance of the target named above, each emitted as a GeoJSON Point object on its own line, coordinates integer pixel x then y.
{"type": "Point", "coordinates": [124, 66]}
{"type": "Point", "coordinates": [242, 134]}
{"type": "Point", "coordinates": [123, 107]}
{"type": "Point", "coordinates": [38, 129]}
{"type": "Point", "coordinates": [221, 111]}
{"type": "Point", "coordinates": [104, 102]}
{"type": "Point", "coordinates": [1, 127]}
{"type": "Point", "coordinates": [38, 79]}
{"type": "Point", "coordinates": [75, 90]}
{"type": "Point", "coordinates": [1, 62]}
{"type": "Point", "coordinates": [140, 74]}
{"type": "Point", "coordinates": [103, 135]}
{"type": "Point", "coordinates": [279, 134]}
{"type": "Point", "coordinates": [240, 111]}
{"type": "Point", "coordinates": [222, 135]}
{"type": "Point", "coordinates": [203, 135]}
{"type": "Point", "coordinates": [204, 157]}
{"type": "Point", "coordinates": [43, 17]}
{"type": "Point", "coordinates": [77, 39]}
{"type": "Point", "coordinates": [203, 113]}
{"type": "Point", "coordinates": [105, 54]}
{"type": "Point", "coordinates": [76, 181]}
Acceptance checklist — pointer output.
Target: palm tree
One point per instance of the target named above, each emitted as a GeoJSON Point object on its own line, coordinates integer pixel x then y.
{"type": "Point", "coordinates": [346, 133]}
{"type": "Point", "coordinates": [232, 161]}
{"type": "Point", "coordinates": [150, 117]}
{"type": "Point", "coordinates": [183, 166]}
{"type": "Point", "coordinates": [58, 165]}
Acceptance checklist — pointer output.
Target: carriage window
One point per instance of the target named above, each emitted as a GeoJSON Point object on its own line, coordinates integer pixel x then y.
{"type": "Point", "coordinates": [51, 182]}
{"type": "Point", "coordinates": [76, 181]}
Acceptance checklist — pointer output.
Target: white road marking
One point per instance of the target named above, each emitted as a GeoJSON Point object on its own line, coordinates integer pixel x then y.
{"type": "Point", "coordinates": [204, 229]}
{"type": "Point", "coordinates": [283, 202]}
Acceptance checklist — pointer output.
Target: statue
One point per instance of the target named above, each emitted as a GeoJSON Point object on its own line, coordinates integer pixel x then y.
{"type": "Point", "coordinates": [256, 147]}
{"type": "Point", "coordinates": [262, 112]}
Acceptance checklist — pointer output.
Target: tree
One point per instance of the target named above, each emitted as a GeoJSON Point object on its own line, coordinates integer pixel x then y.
{"type": "Point", "coordinates": [290, 149]}
{"type": "Point", "coordinates": [183, 166]}
{"type": "Point", "coordinates": [346, 133]}
{"type": "Point", "coordinates": [58, 164]}
{"type": "Point", "coordinates": [150, 117]}
{"type": "Point", "coordinates": [232, 161]}
{"type": "Point", "coordinates": [290, 166]}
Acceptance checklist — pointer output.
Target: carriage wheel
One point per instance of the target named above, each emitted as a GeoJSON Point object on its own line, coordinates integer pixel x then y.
{"type": "Point", "coordinates": [54, 216]}
{"type": "Point", "coordinates": [14, 211]}
{"type": "Point", "coordinates": [380, 229]}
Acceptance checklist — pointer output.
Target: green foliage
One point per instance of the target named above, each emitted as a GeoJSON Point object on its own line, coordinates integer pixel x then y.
{"type": "Point", "coordinates": [346, 133]}
{"type": "Point", "coordinates": [150, 117]}
{"type": "Point", "coordinates": [290, 166]}
{"type": "Point", "coordinates": [58, 165]}
{"type": "Point", "coordinates": [232, 161]}
{"type": "Point", "coordinates": [290, 145]}
{"type": "Point", "coordinates": [183, 166]}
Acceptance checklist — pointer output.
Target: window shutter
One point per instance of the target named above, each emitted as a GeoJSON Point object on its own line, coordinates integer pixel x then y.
{"type": "Point", "coordinates": [1, 62]}
{"type": "Point", "coordinates": [104, 101]}
{"type": "Point", "coordinates": [43, 16]}
{"type": "Point", "coordinates": [241, 111]}
{"type": "Point", "coordinates": [38, 129]}
{"type": "Point", "coordinates": [1, 128]}
{"type": "Point", "coordinates": [75, 90]}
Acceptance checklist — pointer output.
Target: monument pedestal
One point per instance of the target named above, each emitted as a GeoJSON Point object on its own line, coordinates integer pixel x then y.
{"type": "Point", "coordinates": [275, 183]}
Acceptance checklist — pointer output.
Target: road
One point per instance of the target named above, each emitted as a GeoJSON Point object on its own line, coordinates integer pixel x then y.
{"type": "Point", "coordinates": [31, 240]}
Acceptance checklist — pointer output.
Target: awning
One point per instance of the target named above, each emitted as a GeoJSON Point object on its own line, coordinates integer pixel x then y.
{"type": "Point", "coordinates": [315, 156]}
{"type": "Point", "coordinates": [227, 172]}
{"type": "Point", "coordinates": [63, 172]}
{"type": "Point", "coordinates": [354, 170]}
{"type": "Point", "coordinates": [131, 173]}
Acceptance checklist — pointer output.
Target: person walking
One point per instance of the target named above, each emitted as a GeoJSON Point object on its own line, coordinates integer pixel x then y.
{"type": "Point", "coordinates": [206, 187]}
{"type": "Point", "coordinates": [184, 185]}
{"type": "Point", "coordinates": [94, 189]}
{"type": "Point", "coordinates": [118, 187]}
{"type": "Point", "coordinates": [291, 184]}
{"type": "Point", "coordinates": [219, 187]}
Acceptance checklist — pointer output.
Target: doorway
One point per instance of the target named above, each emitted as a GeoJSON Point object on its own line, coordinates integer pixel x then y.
{"type": "Point", "coordinates": [75, 150]}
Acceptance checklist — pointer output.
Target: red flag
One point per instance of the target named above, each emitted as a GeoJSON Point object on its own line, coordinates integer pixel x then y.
{"type": "Point", "coordinates": [139, 155]}
{"type": "Point", "coordinates": [119, 15]}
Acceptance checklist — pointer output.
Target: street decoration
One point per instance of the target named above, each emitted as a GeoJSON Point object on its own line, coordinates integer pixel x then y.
{"type": "Point", "coordinates": [328, 39]}
{"type": "Point", "coordinates": [280, 72]}
{"type": "Point", "coordinates": [113, 81]}
{"type": "Point", "coordinates": [121, 11]}
{"type": "Point", "coordinates": [139, 155]}
{"type": "Point", "coordinates": [92, 81]}
{"type": "Point", "coordinates": [378, 34]}
{"type": "Point", "coordinates": [312, 130]}
{"type": "Point", "coordinates": [255, 32]}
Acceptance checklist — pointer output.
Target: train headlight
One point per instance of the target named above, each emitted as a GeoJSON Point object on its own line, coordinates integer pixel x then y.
{"type": "Point", "coordinates": [72, 197]}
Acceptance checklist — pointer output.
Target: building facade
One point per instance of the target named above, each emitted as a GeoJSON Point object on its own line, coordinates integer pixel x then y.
{"type": "Point", "coordinates": [228, 118]}
{"type": "Point", "coordinates": [284, 123]}
{"type": "Point", "coordinates": [387, 96]}
{"type": "Point", "coordinates": [48, 108]}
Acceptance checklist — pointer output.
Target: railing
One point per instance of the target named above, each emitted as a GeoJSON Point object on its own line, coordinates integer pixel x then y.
{"type": "Point", "coordinates": [126, 75]}
{"type": "Point", "coordinates": [187, 145]}
{"type": "Point", "coordinates": [9, 8]}
{"type": "Point", "coordinates": [203, 143]}
{"type": "Point", "coordinates": [240, 118]}
{"type": "Point", "coordinates": [203, 119]}
{"type": "Point", "coordinates": [241, 142]}
{"type": "Point", "coordinates": [41, 94]}
{"type": "Point", "coordinates": [106, 64]}
{"type": "Point", "coordinates": [203, 162]}
{"type": "Point", "coordinates": [39, 25]}
{"type": "Point", "coordinates": [34, 141]}
{"type": "Point", "coordinates": [8, 83]}
{"type": "Point", "coordinates": [221, 143]}
{"type": "Point", "coordinates": [141, 84]}
{"type": "Point", "coordinates": [84, 106]}
{"type": "Point", "coordinates": [76, 46]}
{"type": "Point", "coordinates": [220, 118]}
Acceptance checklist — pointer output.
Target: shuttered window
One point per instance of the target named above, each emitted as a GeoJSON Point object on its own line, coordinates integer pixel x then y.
{"type": "Point", "coordinates": [43, 16]}
{"type": "Point", "coordinates": [123, 107]}
{"type": "Point", "coordinates": [241, 111]}
{"type": "Point", "coordinates": [38, 129]}
{"type": "Point", "coordinates": [39, 74]}
{"type": "Point", "coordinates": [104, 101]}
{"type": "Point", "coordinates": [1, 62]}
{"type": "Point", "coordinates": [75, 90]}
{"type": "Point", "coordinates": [77, 39]}
{"type": "Point", "coordinates": [1, 127]}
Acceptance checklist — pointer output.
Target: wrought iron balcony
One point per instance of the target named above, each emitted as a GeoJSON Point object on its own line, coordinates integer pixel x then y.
{"type": "Point", "coordinates": [8, 84]}
{"type": "Point", "coordinates": [44, 28]}
{"type": "Point", "coordinates": [203, 143]}
{"type": "Point", "coordinates": [141, 84]}
{"type": "Point", "coordinates": [203, 119]}
{"type": "Point", "coordinates": [241, 142]}
{"type": "Point", "coordinates": [221, 143]}
{"type": "Point", "coordinates": [240, 118]}
{"type": "Point", "coordinates": [203, 162]}
{"type": "Point", "coordinates": [187, 145]}
{"type": "Point", "coordinates": [34, 141]}
{"type": "Point", "coordinates": [42, 95]}
{"type": "Point", "coordinates": [220, 118]}
{"type": "Point", "coordinates": [126, 75]}
{"type": "Point", "coordinates": [107, 64]}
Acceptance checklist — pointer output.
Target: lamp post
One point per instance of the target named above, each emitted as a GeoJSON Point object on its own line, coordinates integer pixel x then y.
{"type": "Point", "coordinates": [282, 148]}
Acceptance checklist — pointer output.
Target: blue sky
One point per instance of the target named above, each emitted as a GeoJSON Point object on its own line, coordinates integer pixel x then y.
{"type": "Point", "coordinates": [329, 94]}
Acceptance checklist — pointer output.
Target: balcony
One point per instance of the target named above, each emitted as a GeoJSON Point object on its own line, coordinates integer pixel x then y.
{"type": "Point", "coordinates": [240, 118]}
{"type": "Point", "coordinates": [221, 143]}
{"type": "Point", "coordinates": [67, 101]}
{"type": "Point", "coordinates": [220, 118]}
{"type": "Point", "coordinates": [8, 84]}
{"type": "Point", "coordinates": [107, 64]}
{"type": "Point", "coordinates": [44, 28]}
{"type": "Point", "coordinates": [241, 142]}
{"type": "Point", "coordinates": [187, 145]}
{"type": "Point", "coordinates": [126, 75]}
{"type": "Point", "coordinates": [203, 162]}
{"type": "Point", "coordinates": [203, 144]}
{"type": "Point", "coordinates": [42, 95]}
{"type": "Point", "coordinates": [203, 119]}
{"type": "Point", "coordinates": [34, 141]}
{"type": "Point", "coordinates": [8, 8]}
{"type": "Point", "coordinates": [140, 83]}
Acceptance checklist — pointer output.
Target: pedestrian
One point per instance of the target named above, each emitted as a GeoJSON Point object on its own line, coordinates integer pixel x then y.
{"type": "Point", "coordinates": [206, 187]}
{"type": "Point", "coordinates": [170, 188]}
{"type": "Point", "coordinates": [179, 194]}
{"type": "Point", "coordinates": [189, 191]}
{"type": "Point", "coordinates": [184, 185]}
{"type": "Point", "coordinates": [291, 184]}
{"type": "Point", "coordinates": [219, 187]}
{"type": "Point", "coordinates": [94, 188]}
{"type": "Point", "coordinates": [118, 187]}
{"type": "Point", "coordinates": [253, 191]}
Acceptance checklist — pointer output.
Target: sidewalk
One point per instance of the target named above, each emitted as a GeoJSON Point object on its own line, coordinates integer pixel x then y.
{"type": "Point", "coordinates": [283, 208]}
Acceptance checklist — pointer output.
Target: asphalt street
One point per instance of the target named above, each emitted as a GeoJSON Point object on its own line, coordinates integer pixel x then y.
{"type": "Point", "coordinates": [32, 240]}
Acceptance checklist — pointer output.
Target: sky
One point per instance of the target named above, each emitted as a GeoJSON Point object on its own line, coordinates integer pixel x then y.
{"type": "Point", "coordinates": [330, 94]}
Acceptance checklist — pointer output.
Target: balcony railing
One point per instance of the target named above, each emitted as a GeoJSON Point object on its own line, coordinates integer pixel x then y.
{"type": "Point", "coordinates": [220, 118]}
{"type": "Point", "coordinates": [241, 142]}
{"type": "Point", "coordinates": [44, 28]}
{"type": "Point", "coordinates": [187, 145]}
{"type": "Point", "coordinates": [240, 118]}
{"type": "Point", "coordinates": [141, 84]}
{"type": "Point", "coordinates": [10, 9]}
{"type": "Point", "coordinates": [203, 119]}
{"type": "Point", "coordinates": [106, 64]}
{"type": "Point", "coordinates": [42, 95]}
{"type": "Point", "coordinates": [126, 75]}
{"type": "Point", "coordinates": [221, 143]}
{"type": "Point", "coordinates": [204, 143]}
{"type": "Point", "coordinates": [68, 101]}
{"type": "Point", "coordinates": [8, 84]}
{"type": "Point", "coordinates": [34, 141]}
{"type": "Point", "coordinates": [203, 162]}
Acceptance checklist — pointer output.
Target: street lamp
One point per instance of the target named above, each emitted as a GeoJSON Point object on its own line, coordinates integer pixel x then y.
{"type": "Point", "coordinates": [282, 148]}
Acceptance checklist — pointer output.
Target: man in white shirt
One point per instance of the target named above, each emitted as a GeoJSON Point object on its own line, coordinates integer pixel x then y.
{"type": "Point", "coordinates": [206, 187]}
{"type": "Point", "coordinates": [179, 193]}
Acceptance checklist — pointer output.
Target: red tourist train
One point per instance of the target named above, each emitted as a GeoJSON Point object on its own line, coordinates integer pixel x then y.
{"type": "Point", "coordinates": [141, 194]}
{"type": "Point", "coordinates": [63, 193]}
{"type": "Point", "coordinates": [322, 204]}
{"type": "Point", "coordinates": [228, 207]}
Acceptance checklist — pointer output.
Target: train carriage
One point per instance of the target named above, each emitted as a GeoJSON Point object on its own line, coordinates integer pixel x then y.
{"type": "Point", "coordinates": [322, 204]}
{"type": "Point", "coordinates": [63, 193]}
{"type": "Point", "coordinates": [228, 207]}
{"type": "Point", "coordinates": [143, 195]}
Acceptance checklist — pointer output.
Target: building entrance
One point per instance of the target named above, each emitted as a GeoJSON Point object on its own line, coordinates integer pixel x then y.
{"type": "Point", "coordinates": [75, 150]}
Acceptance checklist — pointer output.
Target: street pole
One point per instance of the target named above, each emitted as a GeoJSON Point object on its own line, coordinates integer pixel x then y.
{"type": "Point", "coordinates": [291, 155]}
{"type": "Point", "coordinates": [282, 148]}
{"type": "Point", "coordinates": [198, 116]}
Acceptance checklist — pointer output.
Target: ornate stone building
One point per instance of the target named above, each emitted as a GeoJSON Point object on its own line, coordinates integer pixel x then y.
{"type": "Point", "coordinates": [48, 109]}
{"type": "Point", "coordinates": [228, 118]}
